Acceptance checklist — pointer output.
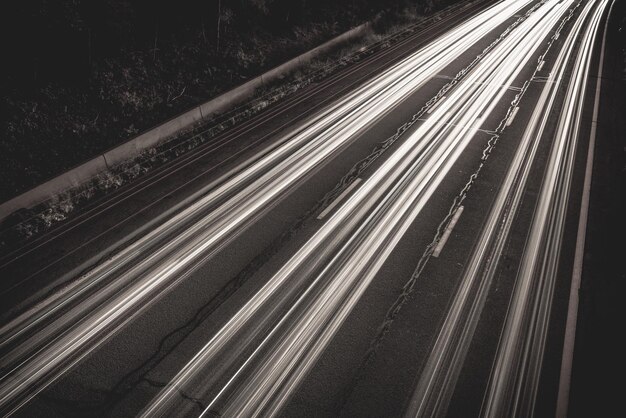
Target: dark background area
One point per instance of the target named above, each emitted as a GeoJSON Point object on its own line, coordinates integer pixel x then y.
{"type": "Point", "coordinates": [81, 76]}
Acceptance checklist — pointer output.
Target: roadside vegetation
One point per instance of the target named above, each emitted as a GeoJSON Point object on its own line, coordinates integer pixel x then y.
{"type": "Point", "coordinates": [79, 77]}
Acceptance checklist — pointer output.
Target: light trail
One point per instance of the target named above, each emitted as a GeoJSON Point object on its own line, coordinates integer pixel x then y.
{"type": "Point", "coordinates": [438, 378]}
{"type": "Point", "coordinates": [515, 376]}
{"type": "Point", "coordinates": [285, 328]}
{"type": "Point", "coordinates": [47, 340]}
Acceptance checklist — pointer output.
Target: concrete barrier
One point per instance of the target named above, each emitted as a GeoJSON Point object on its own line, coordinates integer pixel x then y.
{"type": "Point", "coordinates": [88, 170]}
{"type": "Point", "coordinates": [68, 180]}
{"type": "Point", "coordinates": [152, 137]}
{"type": "Point", "coordinates": [230, 99]}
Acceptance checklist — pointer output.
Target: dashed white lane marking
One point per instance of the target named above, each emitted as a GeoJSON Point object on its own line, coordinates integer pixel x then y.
{"type": "Point", "coordinates": [447, 232]}
{"type": "Point", "coordinates": [540, 66]}
{"type": "Point", "coordinates": [513, 113]}
{"type": "Point", "coordinates": [339, 198]}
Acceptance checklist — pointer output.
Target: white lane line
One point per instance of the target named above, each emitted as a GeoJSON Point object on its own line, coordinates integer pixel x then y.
{"type": "Point", "coordinates": [543, 80]}
{"type": "Point", "coordinates": [513, 113]}
{"type": "Point", "coordinates": [433, 107]}
{"type": "Point", "coordinates": [339, 198]}
{"type": "Point", "coordinates": [540, 66]}
{"type": "Point", "coordinates": [447, 232]}
{"type": "Point", "coordinates": [562, 403]}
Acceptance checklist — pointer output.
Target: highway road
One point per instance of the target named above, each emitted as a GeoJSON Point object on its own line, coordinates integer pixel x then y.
{"type": "Point", "coordinates": [396, 240]}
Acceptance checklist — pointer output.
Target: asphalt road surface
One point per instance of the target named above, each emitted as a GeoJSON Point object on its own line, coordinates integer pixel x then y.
{"type": "Point", "coordinates": [400, 239]}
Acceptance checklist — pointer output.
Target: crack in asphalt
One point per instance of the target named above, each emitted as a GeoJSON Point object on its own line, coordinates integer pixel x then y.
{"type": "Point", "coordinates": [182, 393]}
